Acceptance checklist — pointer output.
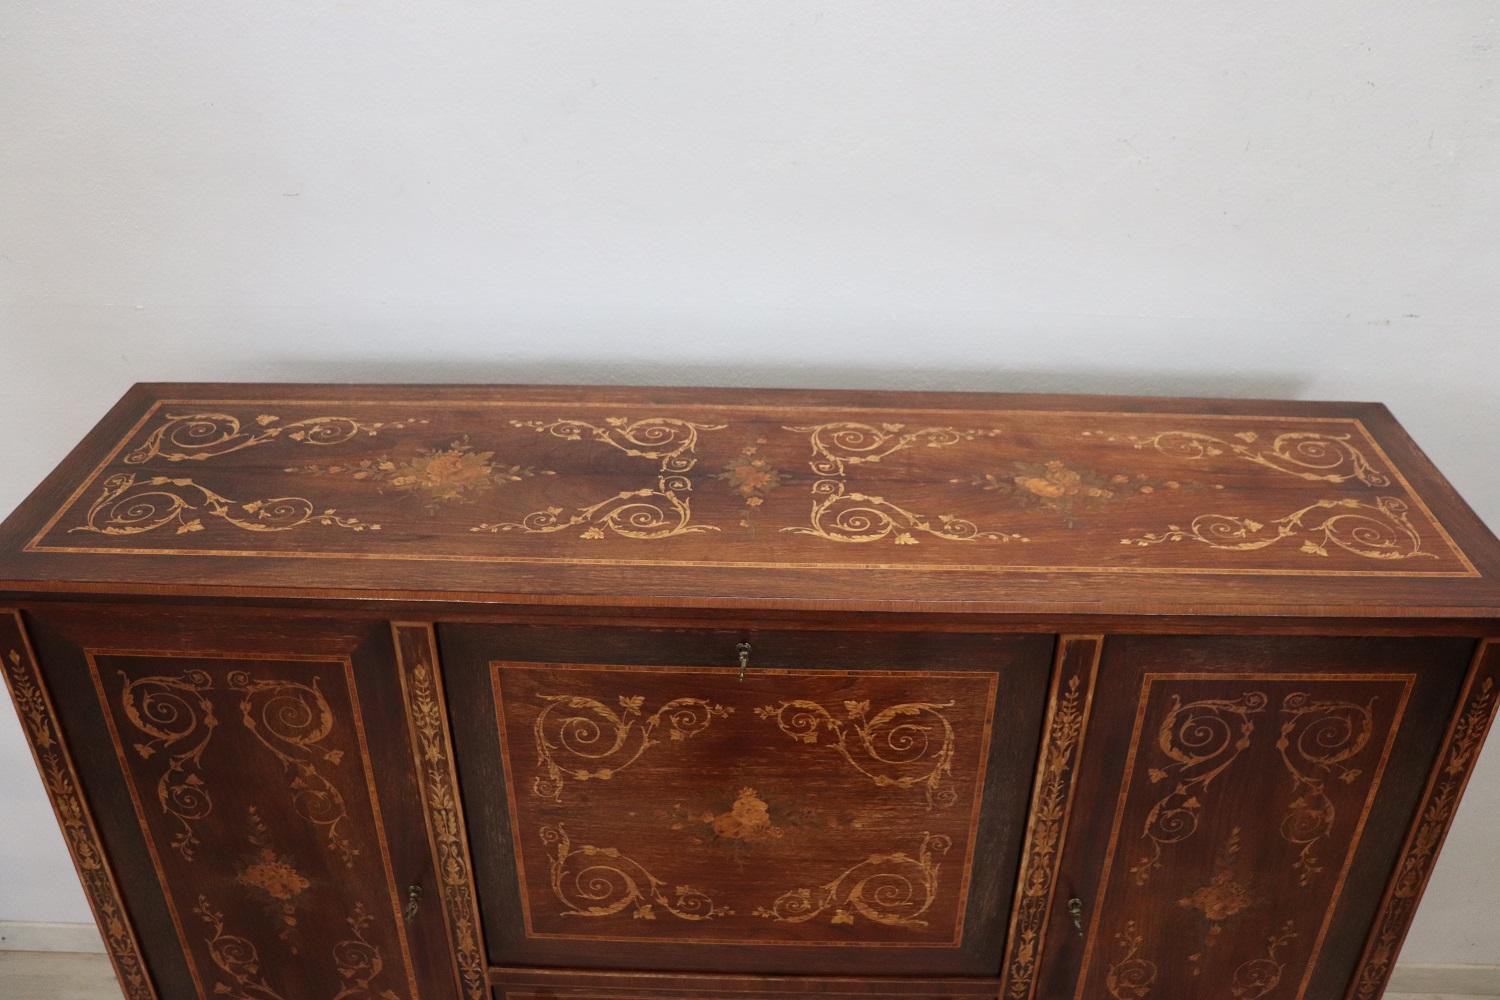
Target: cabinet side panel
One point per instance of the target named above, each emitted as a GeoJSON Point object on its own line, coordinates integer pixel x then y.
{"type": "Point", "coordinates": [55, 764]}
{"type": "Point", "coordinates": [1445, 788]}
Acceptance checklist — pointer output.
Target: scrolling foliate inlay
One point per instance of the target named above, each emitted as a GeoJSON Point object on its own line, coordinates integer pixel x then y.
{"type": "Point", "coordinates": [899, 747]}
{"type": "Point", "coordinates": [840, 515]}
{"type": "Point", "coordinates": [195, 437]}
{"type": "Point", "coordinates": [1317, 741]}
{"type": "Point", "coordinates": [131, 507]}
{"type": "Point", "coordinates": [1201, 739]}
{"type": "Point", "coordinates": [77, 823]}
{"type": "Point", "coordinates": [1130, 977]}
{"type": "Point", "coordinates": [291, 719]}
{"type": "Point", "coordinates": [1379, 530]}
{"type": "Point", "coordinates": [601, 881]}
{"type": "Point", "coordinates": [1328, 458]}
{"type": "Point", "coordinates": [893, 889]}
{"type": "Point", "coordinates": [647, 513]}
{"type": "Point", "coordinates": [358, 962]}
{"type": "Point", "coordinates": [1259, 976]}
{"type": "Point", "coordinates": [569, 746]}
{"type": "Point", "coordinates": [170, 711]}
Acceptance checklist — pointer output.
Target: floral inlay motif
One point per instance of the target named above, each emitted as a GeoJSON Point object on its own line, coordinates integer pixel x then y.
{"type": "Point", "coordinates": [77, 823]}
{"type": "Point", "coordinates": [1201, 739]}
{"type": "Point", "coordinates": [128, 507]}
{"type": "Point", "coordinates": [175, 715]}
{"type": "Point", "coordinates": [1310, 455]}
{"type": "Point", "coordinates": [1057, 486]}
{"type": "Point", "coordinates": [194, 437]}
{"type": "Point", "coordinates": [594, 743]}
{"type": "Point", "coordinates": [1417, 857]}
{"type": "Point", "coordinates": [646, 513]}
{"type": "Point", "coordinates": [292, 719]}
{"type": "Point", "coordinates": [444, 815]}
{"type": "Point", "coordinates": [749, 819]}
{"type": "Point", "coordinates": [898, 747]}
{"type": "Point", "coordinates": [601, 881]}
{"type": "Point", "coordinates": [274, 877]}
{"type": "Point", "coordinates": [842, 515]}
{"type": "Point", "coordinates": [1131, 977]}
{"type": "Point", "coordinates": [1378, 530]}
{"type": "Point", "coordinates": [1317, 741]}
{"type": "Point", "coordinates": [894, 889]}
{"type": "Point", "coordinates": [454, 473]}
{"type": "Point", "coordinates": [1048, 822]}
{"type": "Point", "coordinates": [751, 475]}
{"type": "Point", "coordinates": [1226, 894]}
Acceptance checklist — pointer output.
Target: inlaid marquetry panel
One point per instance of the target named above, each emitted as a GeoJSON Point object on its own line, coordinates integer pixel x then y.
{"type": "Point", "coordinates": [797, 806]}
{"type": "Point", "coordinates": [1243, 801]}
{"type": "Point", "coordinates": [1237, 803]}
{"type": "Point", "coordinates": [251, 779]}
{"type": "Point", "coordinates": [703, 484]}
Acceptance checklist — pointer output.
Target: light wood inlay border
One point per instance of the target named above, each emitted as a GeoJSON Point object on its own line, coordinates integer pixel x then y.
{"type": "Point", "coordinates": [1445, 787]}
{"type": "Point", "coordinates": [39, 722]}
{"type": "Point", "coordinates": [1068, 710]}
{"type": "Point", "coordinates": [432, 750]}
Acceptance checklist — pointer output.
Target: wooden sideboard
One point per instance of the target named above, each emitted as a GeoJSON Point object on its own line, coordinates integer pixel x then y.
{"type": "Point", "coordinates": [467, 693]}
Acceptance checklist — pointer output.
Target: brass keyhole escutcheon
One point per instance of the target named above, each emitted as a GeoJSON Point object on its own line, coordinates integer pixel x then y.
{"type": "Point", "coordinates": [744, 651]}
{"type": "Point", "coordinates": [413, 901]}
{"type": "Point", "coordinates": [1075, 910]}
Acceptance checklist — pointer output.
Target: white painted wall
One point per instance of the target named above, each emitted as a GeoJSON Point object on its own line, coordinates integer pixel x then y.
{"type": "Point", "coordinates": [1212, 198]}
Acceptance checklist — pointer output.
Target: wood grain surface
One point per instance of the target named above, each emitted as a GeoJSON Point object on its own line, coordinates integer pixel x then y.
{"type": "Point", "coordinates": [735, 498]}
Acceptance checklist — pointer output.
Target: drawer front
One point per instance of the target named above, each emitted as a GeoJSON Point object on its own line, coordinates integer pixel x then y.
{"type": "Point", "coordinates": [551, 984]}
{"type": "Point", "coordinates": [1247, 797]}
{"type": "Point", "coordinates": [851, 803]}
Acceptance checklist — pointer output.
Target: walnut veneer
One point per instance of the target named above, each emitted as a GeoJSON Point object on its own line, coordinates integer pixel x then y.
{"type": "Point", "coordinates": [468, 693]}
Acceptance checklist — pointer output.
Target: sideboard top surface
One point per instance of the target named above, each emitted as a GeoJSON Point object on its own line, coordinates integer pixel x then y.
{"type": "Point", "coordinates": [730, 498]}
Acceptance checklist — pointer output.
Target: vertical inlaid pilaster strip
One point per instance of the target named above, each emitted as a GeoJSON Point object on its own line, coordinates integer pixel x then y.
{"type": "Point", "coordinates": [1450, 775]}
{"type": "Point", "coordinates": [432, 745]}
{"type": "Point", "coordinates": [39, 721]}
{"type": "Point", "coordinates": [1068, 708]}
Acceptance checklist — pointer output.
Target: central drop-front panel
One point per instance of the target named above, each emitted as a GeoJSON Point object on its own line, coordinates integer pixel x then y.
{"type": "Point", "coordinates": [847, 794]}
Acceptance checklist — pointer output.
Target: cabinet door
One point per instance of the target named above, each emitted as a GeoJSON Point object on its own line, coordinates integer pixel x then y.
{"type": "Point", "coordinates": [1240, 802]}
{"type": "Point", "coordinates": [850, 803]}
{"type": "Point", "coordinates": [253, 788]}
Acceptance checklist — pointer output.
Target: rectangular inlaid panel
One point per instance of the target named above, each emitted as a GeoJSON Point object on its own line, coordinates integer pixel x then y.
{"type": "Point", "coordinates": [587, 483]}
{"type": "Point", "coordinates": [1246, 800]}
{"type": "Point", "coordinates": [1242, 794]}
{"type": "Point", "coordinates": [795, 807]}
{"type": "Point", "coordinates": [250, 775]}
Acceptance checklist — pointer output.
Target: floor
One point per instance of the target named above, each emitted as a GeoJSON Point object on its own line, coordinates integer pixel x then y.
{"type": "Point", "coordinates": [30, 975]}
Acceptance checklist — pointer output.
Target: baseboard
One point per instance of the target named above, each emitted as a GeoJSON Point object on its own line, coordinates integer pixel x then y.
{"type": "Point", "coordinates": [1468, 980]}
{"type": "Point", "coordinates": [31, 935]}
